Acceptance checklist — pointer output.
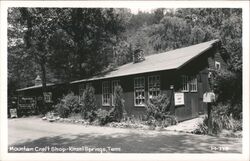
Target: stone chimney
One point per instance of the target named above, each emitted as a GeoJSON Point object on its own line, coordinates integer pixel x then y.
{"type": "Point", "coordinates": [38, 81]}
{"type": "Point", "coordinates": [138, 56]}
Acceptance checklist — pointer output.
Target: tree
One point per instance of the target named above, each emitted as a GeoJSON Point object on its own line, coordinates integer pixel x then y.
{"type": "Point", "coordinates": [171, 33]}
{"type": "Point", "coordinates": [91, 34]}
{"type": "Point", "coordinates": [118, 109]}
{"type": "Point", "coordinates": [40, 28]}
{"type": "Point", "coordinates": [19, 65]}
{"type": "Point", "coordinates": [88, 103]}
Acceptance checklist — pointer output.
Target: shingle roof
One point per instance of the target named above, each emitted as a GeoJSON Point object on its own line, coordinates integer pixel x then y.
{"type": "Point", "coordinates": [163, 61]}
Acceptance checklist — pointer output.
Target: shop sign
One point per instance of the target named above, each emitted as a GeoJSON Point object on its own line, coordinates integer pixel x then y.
{"type": "Point", "coordinates": [179, 99]}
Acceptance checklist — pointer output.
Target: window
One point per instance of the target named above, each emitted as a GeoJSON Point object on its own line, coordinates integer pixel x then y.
{"type": "Point", "coordinates": [217, 65]}
{"type": "Point", "coordinates": [47, 97]}
{"type": "Point", "coordinates": [105, 94]}
{"type": "Point", "coordinates": [114, 84]}
{"type": "Point", "coordinates": [139, 91]}
{"type": "Point", "coordinates": [185, 84]}
{"type": "Point", "coordinates": [189, 84]}
{"type": "Point", "coordinates": [153, 86]}
{"type": "Point", "coordinates": [193, 84]}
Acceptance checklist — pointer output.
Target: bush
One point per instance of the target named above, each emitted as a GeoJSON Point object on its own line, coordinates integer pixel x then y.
{"type": "Point", "coordinates": [103, 117]}
{"type": "Point", "coordinates": [72, 102]}
{"type": "Point", "coordinates": [220, 121]}
{"type": "Point", "coordinates": [169, 120]}
{"type": "Point", "coordinates": [88, 104]}
{"type": "Point", "coordinates": [228, 87]}
{"type": "Point", "coordinates": [67, 105]}
{"type": "Point", "coordinates": [237, 125]}
{"type": "Point", "coordinates": [118, 109]}
{"type": "Point", "coordinates": [202, 127]}
{"type": "Point", "coordinates": [158, 107]}
{"type": "Point", "coordinates": [158, 113]}
{"type": "Point", "coordinates": [62, 109]}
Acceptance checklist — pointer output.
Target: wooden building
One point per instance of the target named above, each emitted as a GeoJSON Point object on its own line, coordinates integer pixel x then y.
{"type": "Point", "coordinates": [181, 74]}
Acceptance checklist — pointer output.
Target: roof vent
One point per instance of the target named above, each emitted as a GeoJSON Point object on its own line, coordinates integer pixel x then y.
{"type": "Point", "coordinates": [138, 56]}
{"type": "Point", "coordinates": [38, 81]}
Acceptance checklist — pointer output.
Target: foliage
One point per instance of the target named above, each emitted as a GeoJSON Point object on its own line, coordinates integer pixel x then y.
{"type": "Point", "coordinates": [168, 121]}
{"type": "Point", "coordinates": [158, 111]}
{"type": "Point", "coordinates": [67, 105]}
{"type": "Point", "coordinates": [202, 127]}
{"type": "Point", "coordinates": [51, 41]}
{"type": "Point", "coordinates": [72, 102]}
{"type": "Point", "coordinates": [88, 103]}
{"type": "Point", "coordinates": [158, 107]}
{"type": "Point", "coordinates": [90, 34]}
{"type": "Point", "coordinates": [220, 120]}
{"type": "Point", "coordinates": [62, 109]}
{"type": "Point", "coordinates": [118, 109]}
{"type": "Point", "coordinates": [228, 87]}
{"type": "Point", "coordinates": [103, 116]}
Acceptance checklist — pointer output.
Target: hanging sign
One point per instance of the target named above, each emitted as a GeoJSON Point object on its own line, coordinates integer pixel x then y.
{"type": "Point", "coordinates": [179, 98]}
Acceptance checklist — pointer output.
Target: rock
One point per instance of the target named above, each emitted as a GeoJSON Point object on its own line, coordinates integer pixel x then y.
{"type": "Point", "coordinates": [44, 118]}
{"type": "Point", "coordinates": [51, 120]}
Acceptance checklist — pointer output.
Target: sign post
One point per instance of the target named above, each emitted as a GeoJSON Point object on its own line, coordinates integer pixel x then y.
{"type": "Point", "coordinates": [209, 98]}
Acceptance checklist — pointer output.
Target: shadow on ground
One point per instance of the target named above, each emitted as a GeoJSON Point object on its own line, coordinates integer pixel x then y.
{"type": "Point", "coordinates": [139, 143]}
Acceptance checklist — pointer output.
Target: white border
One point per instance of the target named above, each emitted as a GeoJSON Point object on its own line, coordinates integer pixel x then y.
{"type": "Point", "coordinates": [132, 4]}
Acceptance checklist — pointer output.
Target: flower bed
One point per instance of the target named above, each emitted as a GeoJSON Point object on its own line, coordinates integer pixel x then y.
{"type": "Point", "coordinates": [124, 124]}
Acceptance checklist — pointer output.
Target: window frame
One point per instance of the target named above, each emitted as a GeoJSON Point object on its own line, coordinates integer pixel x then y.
{"type": "Point", "coordinates": [143, 90]}
{"type": "Point", "coordinates": [186, 83]}
{"type": "Point", "coordinates": [154, 77]}
{"type": "Point", "coordinates": [190, 82]}
{"type": "Point", "coordinates": [105, 93]}
{"type": "Point", "coordinates": [47, 97]}
{"type": "Point", "coordinates": [193, 82]}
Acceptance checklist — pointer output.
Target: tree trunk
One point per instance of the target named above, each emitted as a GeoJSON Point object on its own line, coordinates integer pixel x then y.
{"type": "Point", "coordinates": [44, 88]}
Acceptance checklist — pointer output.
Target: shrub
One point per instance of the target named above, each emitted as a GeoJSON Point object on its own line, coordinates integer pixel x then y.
{"type": "Point", "coordinates": [237, 125]}
{"type": "Point", "coordinates": [67, 105]}
{"type": "Point", "coordinates": [158, 112]}
{"type": "Point", "coordinates": [158, 107]}
{"type": "Point", "coordinates": [62, 109]}
{"type": "Point", "coordinates": [228, 87]}
{"type": "Point", "coordinates": [169, 120]}
{"type": "Point", "coordinates": [72, 102]}
{"type": "Point", "coordinates": [220, 120]}
{"type": "Point", "coordinates": [88, 104]}
{"type": "Point", "coordinates": [202, 127]}
{"type": "Point", "coordinates": [118, 109]}
{"type": "Point", "coordinates": [103, 116]}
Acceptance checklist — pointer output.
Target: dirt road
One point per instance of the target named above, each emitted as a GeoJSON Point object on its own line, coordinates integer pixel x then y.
{"type": "Point", "coordinates": [36, 135]}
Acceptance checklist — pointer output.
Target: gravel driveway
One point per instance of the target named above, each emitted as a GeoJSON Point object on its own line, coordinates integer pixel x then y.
{"type": "Point", "coordinates": [43, 136]}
